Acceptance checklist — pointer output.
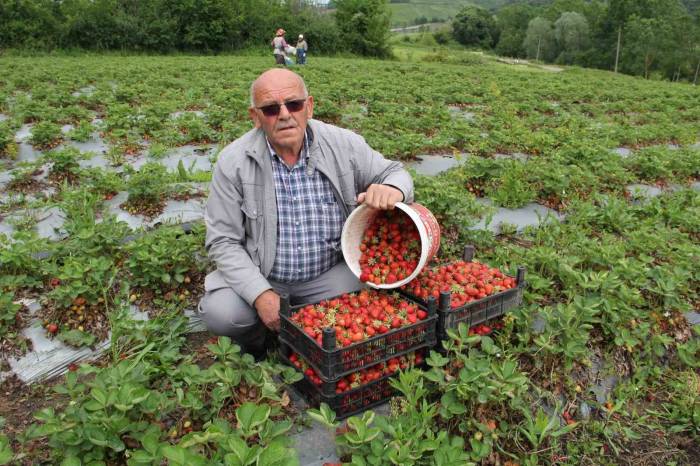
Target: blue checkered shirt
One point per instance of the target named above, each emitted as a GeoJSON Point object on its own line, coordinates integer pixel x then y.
{"type": "Point", "coordinates": [309, 221]}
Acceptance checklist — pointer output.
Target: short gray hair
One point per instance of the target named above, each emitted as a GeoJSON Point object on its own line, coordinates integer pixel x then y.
{"type": "Point", "coordinates": [252, 89]}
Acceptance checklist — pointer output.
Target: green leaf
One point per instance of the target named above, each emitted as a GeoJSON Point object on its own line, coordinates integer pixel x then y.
{"type": "Point", "coordinates": [437, 360]}
{"type": "Point", "coordinates": [276, 455]}
{"type": "Point", "coordinates": [70, 461]}
{"type": "Point", "coordinates": [324, 415]}
{"type": "Point", "coordinates": [452, 404]}
{"type": "Point", "coordinates": [165, 278]}
{"type": "Point", "coordinates": [250, 416]}
{"type": "Point", "coordinates": [5, 451]}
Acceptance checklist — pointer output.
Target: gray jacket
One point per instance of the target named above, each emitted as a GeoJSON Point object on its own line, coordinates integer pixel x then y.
{"type": "Point", "coordinates": [241, 212]}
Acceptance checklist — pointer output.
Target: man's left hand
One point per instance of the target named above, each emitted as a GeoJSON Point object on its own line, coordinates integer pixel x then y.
{"type": "Point", "coordinates": [380, 196]}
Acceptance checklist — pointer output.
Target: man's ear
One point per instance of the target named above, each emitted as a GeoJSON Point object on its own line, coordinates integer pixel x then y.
{"type": "Point", "coordinates": [310, 107]}
{"type": "Point", "coordinates": [254, 116]}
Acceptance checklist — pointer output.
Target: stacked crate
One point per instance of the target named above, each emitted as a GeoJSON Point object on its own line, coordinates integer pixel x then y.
{"type": "Point", "coordinates": [476, 312]}
{"type": "Point", "coordinates": [331, 364]}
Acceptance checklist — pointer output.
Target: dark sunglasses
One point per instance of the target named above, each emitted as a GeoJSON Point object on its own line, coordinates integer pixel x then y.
{"type": "Point", "coordinates": [293, 106]}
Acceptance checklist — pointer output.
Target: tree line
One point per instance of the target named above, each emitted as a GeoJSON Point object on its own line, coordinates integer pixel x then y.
{"type": "Point", "coordinates": [651, 38]}
{"type": "Point", "coordinates": [358, 26]}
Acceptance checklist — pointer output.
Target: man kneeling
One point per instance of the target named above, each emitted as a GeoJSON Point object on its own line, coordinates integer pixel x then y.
{"type": "Point", "coordinates": [278, 199]}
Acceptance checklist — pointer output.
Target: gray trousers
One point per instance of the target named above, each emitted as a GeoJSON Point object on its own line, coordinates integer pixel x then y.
{"type": "Point", "coordinates": [226, 313]}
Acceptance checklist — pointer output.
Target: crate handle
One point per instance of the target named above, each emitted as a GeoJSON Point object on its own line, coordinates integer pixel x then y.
{"type": "Point", "coordinates": [445, 300]}
{"type": "Point", "coordinates": [520, 276]}
{"type": "Point", "coordinates": [468, 253]}
{"type": "Point", "coordinates": [328, 341]}
{"type": "Point", "coordinates": [432, 306]}
{"type": "Point", "coordinates": [284, 304]}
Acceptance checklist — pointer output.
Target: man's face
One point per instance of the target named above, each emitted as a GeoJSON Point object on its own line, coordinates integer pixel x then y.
{"type": "Point", "coordinates": [286, 130]}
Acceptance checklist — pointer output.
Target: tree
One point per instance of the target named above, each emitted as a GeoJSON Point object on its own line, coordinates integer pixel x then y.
{"type": "Point", "coordinates": [572, 34]}
{"type": "Point", "coordinates": [539, 39]}
{"type": "Point", "coordinates": [364, 26]}
{"type": "Point", "coordinates": [474, 25]}
{"type": "Point", "coordinates": [647, 39]}
{"type": "Point", "coordinates": [512, 21]}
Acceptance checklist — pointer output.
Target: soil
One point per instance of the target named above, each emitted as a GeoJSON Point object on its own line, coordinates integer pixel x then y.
{"type": "Point", "coordinates": [554, 202]}
{"type": "Point", "coordinates": [48, 146]}
{"type": "Point", "coordinates": [148, 210]}
{"type": "Point", "coordinates": [56, 179]}
{"type": "Point", "coordinates": [186, 196]}
{"type": "Point", "coordinates": [26, 185]}
{"type": "Point", "coordinates": [477, 189]}
{"type": "Point", "coordinates": [657, 448]}
{"type": "Point", "coordinates": [90, 318]}
{"type": "Point", "coordinates": [187, 293]}
{"type": "Point", "coordinates": [19, 344]}
{"type": "Point", "coordinates": [18, 403]}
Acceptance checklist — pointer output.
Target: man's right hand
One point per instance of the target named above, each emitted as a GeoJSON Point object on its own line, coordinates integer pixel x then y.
{"type": "Point", "coordinates": [268, 307]}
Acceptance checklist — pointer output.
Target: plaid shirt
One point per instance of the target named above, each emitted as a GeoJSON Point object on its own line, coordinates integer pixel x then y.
{"type": "Point", "coordinates": [309, 221]}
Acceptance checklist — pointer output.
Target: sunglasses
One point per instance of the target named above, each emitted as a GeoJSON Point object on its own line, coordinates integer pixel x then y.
{"type": "Point", "coordinates": [292, 106]}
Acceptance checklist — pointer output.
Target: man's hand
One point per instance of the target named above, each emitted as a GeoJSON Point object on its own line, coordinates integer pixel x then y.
{"type": "Point", "coordinates": [268, 307]}
{"type": "Point", "coordinates": [380, 196]}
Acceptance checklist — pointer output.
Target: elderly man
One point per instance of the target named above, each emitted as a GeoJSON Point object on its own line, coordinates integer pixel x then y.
{"type": "Point", "coordinates": [278, 199]}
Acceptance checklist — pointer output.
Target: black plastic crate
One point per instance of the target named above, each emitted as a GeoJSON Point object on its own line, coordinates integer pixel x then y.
{"type": "Point", "coordinates": [475, 312]}
{"type": "Point", "coordinates": [332, 363]}
{"type": "Point", "coordinates": [347, 403]}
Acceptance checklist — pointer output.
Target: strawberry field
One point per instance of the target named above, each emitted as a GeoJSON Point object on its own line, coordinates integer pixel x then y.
{"type": "Point", "coordinates": [588, 180]}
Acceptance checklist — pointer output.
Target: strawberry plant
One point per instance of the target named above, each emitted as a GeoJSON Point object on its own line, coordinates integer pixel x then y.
{"type": "Point", "coordinates": [147, 189]}
{"type": "Point", "coordinates": [79, 301]}
{"type": "Point", "coordinates": [81, 132]}
{"type": "Point", "coordinates": [20, 263]}
{"type": "Point", "coordinates": [8, 147]}
{"type": "Point", "coordinates": [64, 165]}
{"type": "Point", "coordinates": [164, 258]}
{"type": "Point", "coordinates": [46, 134]}
{"type": "Point", "coordinates": [512, 188]}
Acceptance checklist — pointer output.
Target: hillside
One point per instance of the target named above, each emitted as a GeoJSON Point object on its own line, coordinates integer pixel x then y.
{"type": "Point", "coordinates": [408, 12]}
{"type": "Point", "coordinates": [405, 12]}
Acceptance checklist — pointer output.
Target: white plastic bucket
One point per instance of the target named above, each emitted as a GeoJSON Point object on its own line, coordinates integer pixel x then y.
{"type": "Point", "coordinates": [362, 216]}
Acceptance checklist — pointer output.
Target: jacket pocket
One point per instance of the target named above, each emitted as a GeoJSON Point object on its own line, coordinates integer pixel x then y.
{"type": "Point", "coordinates": [347, 189]}
{"type": "Point", "coordinates": [252, 210]}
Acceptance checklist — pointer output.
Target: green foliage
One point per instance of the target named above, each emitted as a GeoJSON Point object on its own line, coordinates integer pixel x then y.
{"type": "Point", "coordinates": [151, 395]}
{"type": "Point", "coordinates": [8, 312]}
{"type": "Point", "coordinates": [82, 132]}
{"type": "Point", "coordinates": [160, 25]}
{"type": "Point", "coordinates": [475, 26]}
{"type": "Point", "coordinates": [572, 34]}
{"type": "Point", "coordinates": [539, 42]}
{"type": "Point", "coordinates": [148, 185]}
{"type": "Point", "coordinates": [164, 257]}
{"type": "Point", "coordinates": [64, 162]}
{"type": "Point", "coordinates": [364, 26]}
{"type": "Point", "coordinates": [84, 276]}
{"type": "Point", "coordinates": [45, 133]}
{"type": "Point", "coordinates": [8, 147]}
{"type": "Point", "coordinates": [20, 263]}
{"type": "Point", "coordinates": [454, 209]}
